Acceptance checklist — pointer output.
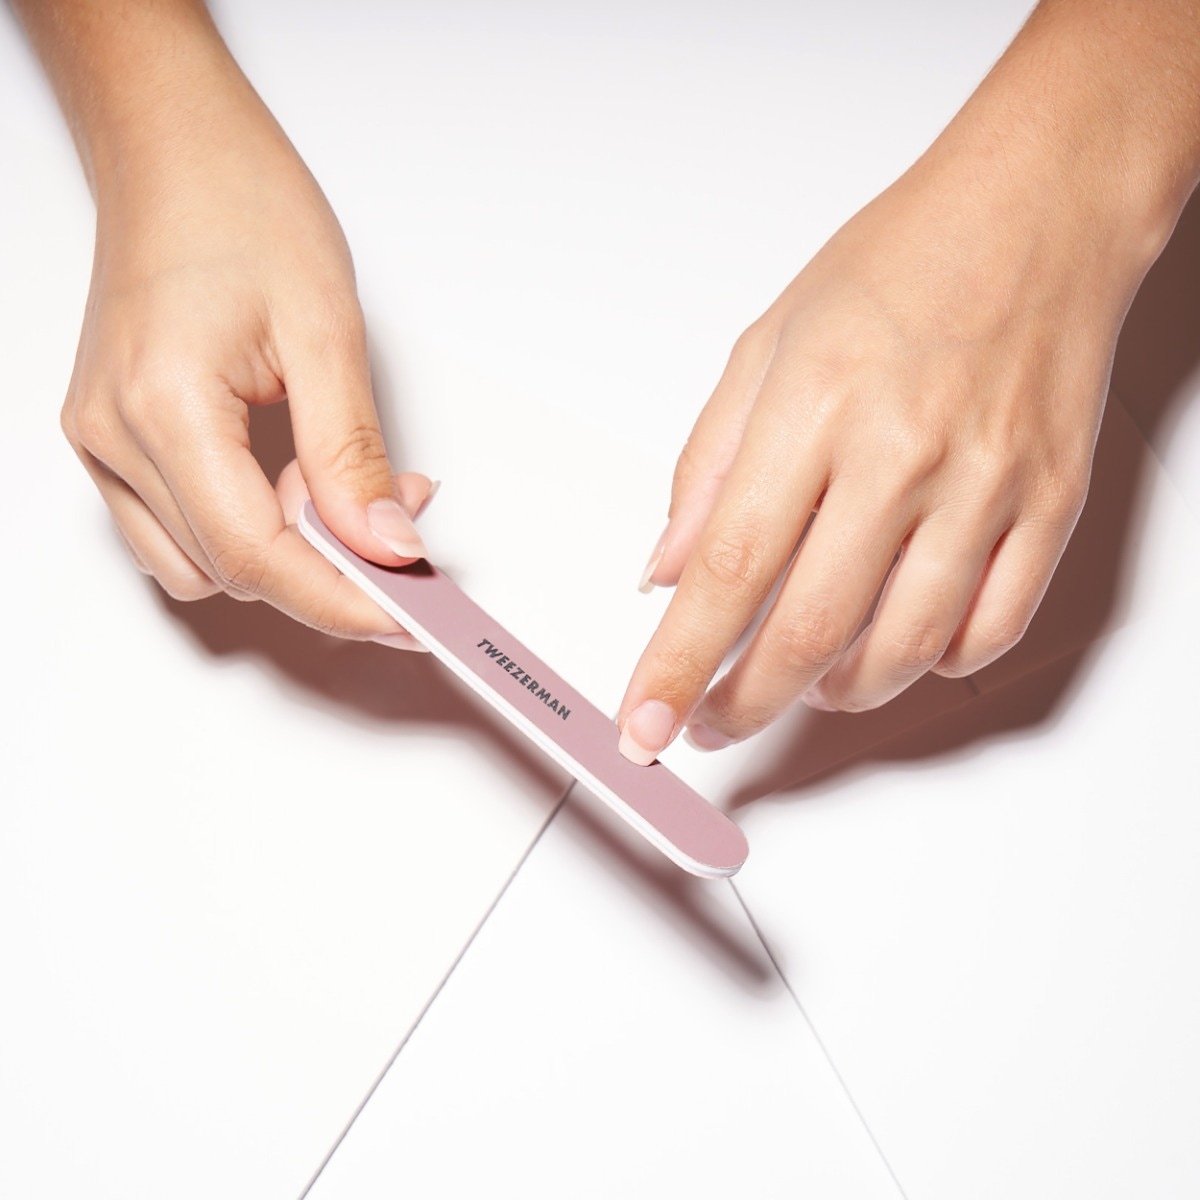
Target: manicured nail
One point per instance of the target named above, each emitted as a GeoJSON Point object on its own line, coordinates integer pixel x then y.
{"type": "Point", "coordinates": [647, 583]}
{"type": "Point", "coordinates": [429, 495]}
{"type": "Point", "coordinates": [400, 641]}
{"type": "Point", "coordinates": [704, 737]}
{"type": "Point", "coordinates": [647, 731]}
{"type": "Point", "coordinates": [394, 528]}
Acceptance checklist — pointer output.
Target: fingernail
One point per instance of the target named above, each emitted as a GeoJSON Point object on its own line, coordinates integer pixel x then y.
{"type": "Point", "coordinates": [429, 495]}
{"type": "Point", "coordinates": [704, 737]}
{"type": "Point", "coordinates": [647, 583]}
{"type": "Point", "coordinates": [394, 528]}
{"type": "Point", "coordinates": [647, 731]}
{"type": "Point", "coordinates": [400, 641]}
{"type": "Point", "coordinates": [814, 699]}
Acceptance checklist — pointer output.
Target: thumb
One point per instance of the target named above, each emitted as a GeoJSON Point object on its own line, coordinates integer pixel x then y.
{"type": "Point", "coordinates": [708, 455]}
{"type": "Point", "coordinates": [340, 449]}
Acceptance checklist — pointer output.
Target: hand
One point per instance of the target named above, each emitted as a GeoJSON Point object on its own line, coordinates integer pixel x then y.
{"type": "Point", "coordinates": [222, 280]}
{"type": "Point", "coordinates": [931, 386]}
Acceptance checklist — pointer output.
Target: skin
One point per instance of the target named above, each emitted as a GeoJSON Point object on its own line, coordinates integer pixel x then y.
{"type": "Point", "coordinates": [931, 384]}
{"type": "Point", "coordinates": [221, 280]}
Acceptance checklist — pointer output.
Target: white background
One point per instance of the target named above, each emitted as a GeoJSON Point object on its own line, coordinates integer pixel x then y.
{"type": "Point", "coordinates": [237, 861]}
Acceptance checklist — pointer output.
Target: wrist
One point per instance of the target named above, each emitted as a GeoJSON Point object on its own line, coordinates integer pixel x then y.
{"type": "Point", "coordinates": [148, 89]}
{"type": "Point", "coordinates": [155, 127]}
{"type": "Point", "coordinates": [1090, 125]}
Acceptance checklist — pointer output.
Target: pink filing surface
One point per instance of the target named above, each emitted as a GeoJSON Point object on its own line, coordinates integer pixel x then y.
{"type": "Point", "coordinates": [556, 717]}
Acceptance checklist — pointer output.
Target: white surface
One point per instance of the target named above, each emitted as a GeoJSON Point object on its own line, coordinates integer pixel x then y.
{"type": "Point", "coordinates": [235, 861]}
{"type": "Point", "coordinates": [992, 922]}
{"type": "Point", "coordinates": [614, 1030]}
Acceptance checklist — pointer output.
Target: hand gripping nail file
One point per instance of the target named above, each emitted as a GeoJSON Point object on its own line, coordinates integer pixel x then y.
{"type": "Point", "coordinates": [551, 713]}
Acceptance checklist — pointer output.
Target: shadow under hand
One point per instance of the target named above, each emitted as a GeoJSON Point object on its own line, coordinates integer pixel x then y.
{"type": "Point", "coordinates": [1159, 350]}
{"type": "Point", "coordinates": [362, 680]}
{"type": "Point", "coordinates": [344, 678]}
{"type": "Point", "coordinates": [690, 905]}
{"type": "Point", "coordinates": [1156, 360]}
{"type": "Point", "coordinates": [1030, 703]}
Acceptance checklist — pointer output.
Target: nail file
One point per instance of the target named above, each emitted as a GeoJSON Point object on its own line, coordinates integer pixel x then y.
{"type": "Point", "coordinates": [552, 714]}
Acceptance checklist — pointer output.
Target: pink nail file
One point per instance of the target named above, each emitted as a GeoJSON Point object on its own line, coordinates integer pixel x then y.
{"type": "Point", "coordinates": [571, 730]}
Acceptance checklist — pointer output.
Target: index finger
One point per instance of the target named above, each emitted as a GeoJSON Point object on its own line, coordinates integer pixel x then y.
{"type": "Point", "coordinates": [236, 516]}
{"type": "Point", "coordinates": [773, 485]}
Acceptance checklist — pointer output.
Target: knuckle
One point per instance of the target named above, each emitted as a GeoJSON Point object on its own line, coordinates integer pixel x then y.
{"type": "Point", "coordinates": [754, 344]}
{"type": "Point", "coordinates": [998, 634]}
{"type": "Point", "coordinates": [240, 569]}
{"type": "Point", "coordinates": [93, 429]}
{"type": "Point", "coordinates": [992, 473]}
{"type": "Point", "coordinates": [1063, 497]}
{"type": "Point", "coordinates": [732, 563]}
{"type": "Point", "coordinates": [1056, 487]}
{"type": "Point", "coordinates": [809, 642]}
{"type": "Point", "coordinates": [157, 385]}
{"type": "Point", "coordinates": [332, 611]}
{"type": "Point", "coordinates": [916, 648]}
{"type": "Point", "coordinates": [914, 451]}
{"type": "Point", "coordinates": [323, 617]}
{"type": "Point", "coordinates": [137, 409]}
{"type": "Point", "coordinates": [361, 455]}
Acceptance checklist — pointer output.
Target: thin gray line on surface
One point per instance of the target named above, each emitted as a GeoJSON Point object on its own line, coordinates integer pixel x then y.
{"type": "Point", "coordinates": [821, 1045]}
{"type": "Point", "coordinates": [437, 991]}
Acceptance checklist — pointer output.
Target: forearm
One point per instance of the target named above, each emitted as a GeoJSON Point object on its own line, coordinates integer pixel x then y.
{"type": "Point", "coordinates": [1095, 107]}
{"type": "Point", "coordinates": [221, 281]}
{"type": "Point", "coordinates": [135, 80]}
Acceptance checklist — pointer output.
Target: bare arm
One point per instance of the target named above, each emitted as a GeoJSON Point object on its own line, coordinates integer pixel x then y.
{"type": "Point", "coordinates": [932, 383]}
{"type": "Point", "coordinates": [221, 280]}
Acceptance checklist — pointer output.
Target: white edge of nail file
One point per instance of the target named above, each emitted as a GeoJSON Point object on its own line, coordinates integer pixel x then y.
{"type": "Point", "coordinates": [554, 716]}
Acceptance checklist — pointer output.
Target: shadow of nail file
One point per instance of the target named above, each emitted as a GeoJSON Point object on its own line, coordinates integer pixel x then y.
{"type": "Point", "coordinates": [672, 816]}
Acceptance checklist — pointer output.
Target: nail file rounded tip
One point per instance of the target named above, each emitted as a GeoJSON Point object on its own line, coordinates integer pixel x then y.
{"type": "Point", "coordinates": [673, 817]}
